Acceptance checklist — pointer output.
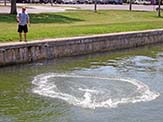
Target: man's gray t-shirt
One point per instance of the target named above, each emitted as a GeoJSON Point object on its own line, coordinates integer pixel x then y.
{"type": "Point", "coordinates": [23, 18]}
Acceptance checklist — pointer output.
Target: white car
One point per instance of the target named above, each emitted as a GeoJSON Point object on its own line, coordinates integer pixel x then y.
{"type": "Point", "coordinates": [69, 1]}
{"type": "Point", "coordinates": [144, 2]}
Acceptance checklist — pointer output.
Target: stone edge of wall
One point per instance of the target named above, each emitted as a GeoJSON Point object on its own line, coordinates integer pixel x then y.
{"type": "Point", "coordinates": [20, 52]}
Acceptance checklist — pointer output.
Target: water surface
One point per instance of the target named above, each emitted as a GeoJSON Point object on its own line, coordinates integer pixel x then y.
{"type": "Point", "coordinates": [123, 86]}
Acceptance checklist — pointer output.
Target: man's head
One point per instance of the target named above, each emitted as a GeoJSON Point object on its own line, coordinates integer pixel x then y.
{"type": "Point", "coordinates": [23, 9]}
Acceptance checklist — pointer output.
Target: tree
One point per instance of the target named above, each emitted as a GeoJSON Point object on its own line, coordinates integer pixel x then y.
{"type": "Point", "coordinates": [13, 7]}
{"type": "Point", "coordinates": [51, 2]}
{"type": "Point", "coordinates": [95, 6]}
{"type": "Point", "coordinates": [5, 2]}
{"type": "Point", "coordinates": [130, 5]}
{"type": "Point", "coordinates": [159, 8]}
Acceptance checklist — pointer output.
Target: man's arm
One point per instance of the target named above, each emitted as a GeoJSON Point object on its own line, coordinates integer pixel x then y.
{"type": "Point", "coordinates": [28, 20]}
{"type": "Point", "coordinates": [17, 18]}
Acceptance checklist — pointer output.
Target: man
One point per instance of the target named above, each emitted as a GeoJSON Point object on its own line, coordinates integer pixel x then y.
{"type": "Point", "coordinates": [23, 19]}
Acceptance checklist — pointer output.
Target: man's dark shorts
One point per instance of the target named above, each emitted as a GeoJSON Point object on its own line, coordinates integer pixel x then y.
{"type": "Point", "coordinates": [22, 28]}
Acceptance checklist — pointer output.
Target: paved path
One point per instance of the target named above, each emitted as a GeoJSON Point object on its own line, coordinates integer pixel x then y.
{"type": "Point", "coordinates": [37, 8]}
{"type": "Point", "coordinates": [61, 8]}
{"type": "Point", "coordinates": [115, 7]}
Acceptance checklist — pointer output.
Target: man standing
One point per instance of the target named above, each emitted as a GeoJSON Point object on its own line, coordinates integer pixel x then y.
{"type": "Point", "coordinates": [23, 19]}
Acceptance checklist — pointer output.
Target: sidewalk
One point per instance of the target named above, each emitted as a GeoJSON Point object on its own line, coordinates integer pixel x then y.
{"type": "Point", "coordinates": [43, 8]}
{"type": "Point", "coordinates": [35, 8]}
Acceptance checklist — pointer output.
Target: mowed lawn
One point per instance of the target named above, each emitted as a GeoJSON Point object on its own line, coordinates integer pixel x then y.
{"type": "Point", "coordinates": [79, 23]}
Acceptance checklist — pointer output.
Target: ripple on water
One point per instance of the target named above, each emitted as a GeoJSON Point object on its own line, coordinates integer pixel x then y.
{"type": "Point", "coordinates": [92, 92]}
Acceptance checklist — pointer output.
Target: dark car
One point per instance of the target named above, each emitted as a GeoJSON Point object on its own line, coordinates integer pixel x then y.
{"type": "Point", "coordinates": [27, 1]}
{"type": "Point", "coordinates": [21, 1]}
{"type": "Point", "coordinates": [115, 1]}
{"type": "Point", "coordinates": [34, 1]}
{"type": "Point", "coordinates": [2, 1]}
{"type": "Point", "coordinates": [58, 1]}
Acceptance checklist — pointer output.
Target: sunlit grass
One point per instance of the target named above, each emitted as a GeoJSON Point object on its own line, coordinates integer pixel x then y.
{"type": "Point", "coordinates": [79, 23]}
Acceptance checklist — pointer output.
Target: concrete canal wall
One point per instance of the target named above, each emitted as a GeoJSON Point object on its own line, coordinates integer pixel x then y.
{"type": "Point", "coordinates": [20, 52]}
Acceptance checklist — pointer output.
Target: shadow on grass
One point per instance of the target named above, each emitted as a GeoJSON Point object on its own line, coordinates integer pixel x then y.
{"type": "Point", "coordinates": [41, 18]}
{"type": "Point", "coordinates": [52, 18]}
{"type": "Point", "coordinates": [161, 17]}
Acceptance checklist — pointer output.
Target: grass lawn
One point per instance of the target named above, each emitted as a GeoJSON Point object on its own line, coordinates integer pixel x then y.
{"type": "Point", "coordinates": [79, 23]}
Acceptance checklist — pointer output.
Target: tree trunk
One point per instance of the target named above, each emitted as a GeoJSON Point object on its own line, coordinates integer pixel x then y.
{"type": "Point", "coordinates": [51, 2]}
{"type": "Point", "coordinates": [95, 6]}
{"type": "Point", "coordinates": [5, 2]}
{"type": "Point", "coordinates": [159, 8]}
{"type": "Point", "coordinates": [130, 5]}
{"type": "Point", "coordinates": [13, 7]}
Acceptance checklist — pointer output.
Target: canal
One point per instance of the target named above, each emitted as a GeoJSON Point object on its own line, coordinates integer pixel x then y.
{"type": "Point", "coordinates": [119, 86]}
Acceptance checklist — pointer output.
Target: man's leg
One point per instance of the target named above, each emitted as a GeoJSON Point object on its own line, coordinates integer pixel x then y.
{"type": "Point", "coordinates": [20, 36]}
{"type": "Point", "coordinates": [20, 32]}
{"type": "Point", "coordinates": [25, 32]}
{"type": "Point", "coordinates": [25, 37]}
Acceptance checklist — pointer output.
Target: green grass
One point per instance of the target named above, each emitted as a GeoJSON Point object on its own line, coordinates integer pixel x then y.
{"type": "Point", "coordinates": [79, 23]}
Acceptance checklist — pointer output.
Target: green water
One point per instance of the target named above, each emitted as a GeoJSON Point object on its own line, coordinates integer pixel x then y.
{"type": "Point", "coordinates": [18, 103]}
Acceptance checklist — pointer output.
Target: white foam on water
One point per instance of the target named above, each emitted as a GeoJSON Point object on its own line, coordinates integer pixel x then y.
{"type": "Point", "coordinates": [45, 88]}
{"type": "Point", "coordinates": [89, 90]}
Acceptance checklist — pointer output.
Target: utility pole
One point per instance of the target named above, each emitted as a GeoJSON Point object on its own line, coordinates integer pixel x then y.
{"type": "Point", "coordinates": [159, 8]}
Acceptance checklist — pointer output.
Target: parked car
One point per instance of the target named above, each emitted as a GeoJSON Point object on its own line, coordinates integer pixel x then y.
{"type": "Point", "coordinates": [110, 1]}
{"type": "Point", "coordinates": [98, 1]}
{"type": "Point", "coordinates": [88, 1]}
{"type": "Point", "coordinates": [144, 2]}
{"type": "Point", "coordinates": [84, 1]}
{"type": "Point", "coordinates": [115, 1]}
{"type": "Point", "coordinates": [81, 1]}
{"type": "Point", "coordinates": [34, 1]}
{"type": "Point", "coordinates": [21, 1]}
{"type": "Point", "coordinates": [69, 1]}
{"type": "Point", "coordinates": [2, 1]}
{"type": "Point", "coordinates": [47, 1]}
{"type": "Point", "coordinates": [58, 1]}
